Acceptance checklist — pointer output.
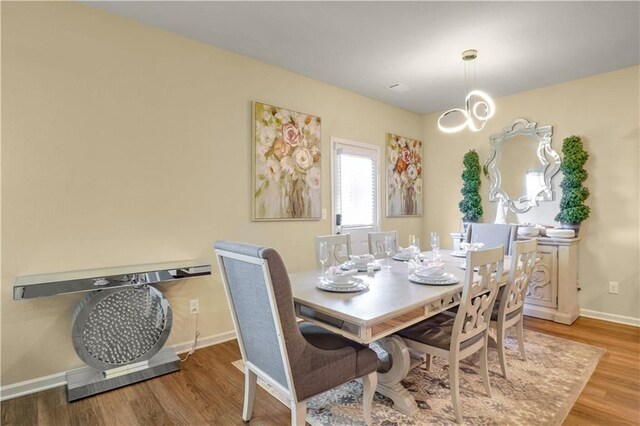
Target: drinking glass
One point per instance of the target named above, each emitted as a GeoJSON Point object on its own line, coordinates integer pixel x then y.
{"type": "Point", "coordinates": [435, 245]}
{"type": "Point", "coordinates": [323, 255]}
{"type": "Point", "coordinates": [416, 248]}
{"type": "Point", "coordinates": [388, 248]}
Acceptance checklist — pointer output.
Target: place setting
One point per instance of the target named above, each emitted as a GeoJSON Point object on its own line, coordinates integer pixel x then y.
{"type": "Point", "coordinates": [405, 254]}
{"type": "Point", "coordinates": [339, 280]}
{"type": "Point", "coordinates": [465, 247]}
{"type": "Point", "coordinates": [431, 273]}
{"type": "Point", "coordinates": [363, 263]}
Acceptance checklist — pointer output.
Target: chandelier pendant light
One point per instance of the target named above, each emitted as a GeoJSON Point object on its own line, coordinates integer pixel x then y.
{"type": "Point", "coordinates": [478, 106]}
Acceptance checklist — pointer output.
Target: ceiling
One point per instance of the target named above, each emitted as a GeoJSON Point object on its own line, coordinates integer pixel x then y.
{"type": "Point", "coordinates": [366, 46]}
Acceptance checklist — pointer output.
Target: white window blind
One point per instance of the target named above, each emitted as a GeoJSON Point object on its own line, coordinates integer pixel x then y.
{"type": "Point", "coordinates": [356, 185]}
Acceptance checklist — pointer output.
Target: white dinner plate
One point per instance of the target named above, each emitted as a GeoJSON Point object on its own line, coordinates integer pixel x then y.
{"type": "Point", "coordinates": [361, 268]}
{"type": "Point", "coordinates": [342, 280]}
{"type": "Point", "coordinates": [357, 285]}
{"type": "Point", "coordinates": [560, 233]}
{"type": "Point", "coordinates": [458, 253]}
{"type": "Point", "coordinates": [446, 279]}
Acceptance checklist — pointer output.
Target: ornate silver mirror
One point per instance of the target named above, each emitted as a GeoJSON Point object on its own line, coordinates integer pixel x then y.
{"type": "Point", "coordinates": [521, 165]}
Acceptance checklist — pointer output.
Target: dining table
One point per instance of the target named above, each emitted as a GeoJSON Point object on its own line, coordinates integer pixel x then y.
{"type": "Point", "coordinates": [371, 317]}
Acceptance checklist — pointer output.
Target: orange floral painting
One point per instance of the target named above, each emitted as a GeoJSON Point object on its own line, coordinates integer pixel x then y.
{"type": "Point", "coordinates": [404, 176]}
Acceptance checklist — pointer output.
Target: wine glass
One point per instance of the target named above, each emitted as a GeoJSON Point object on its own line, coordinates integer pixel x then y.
{"type": "Point", "coordinates": [435, 245]}
{"type": "Point", "coordinates": [323, 255]}
{"type": "Point", "coordinates": [388, 248]}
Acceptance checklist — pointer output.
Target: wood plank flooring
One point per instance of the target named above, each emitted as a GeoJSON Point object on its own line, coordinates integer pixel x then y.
{"type": "Point", "coordinates": [209, 390]}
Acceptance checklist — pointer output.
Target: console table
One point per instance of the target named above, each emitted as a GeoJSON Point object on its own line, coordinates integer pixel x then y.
{"type": "Point", "coordinates": [120, 326]}
{"type": "Point", "coordinates": [553, 291]}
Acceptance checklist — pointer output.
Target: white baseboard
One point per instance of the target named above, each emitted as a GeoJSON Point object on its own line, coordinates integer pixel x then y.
{"type": "Point", "coordinates": [204, 342]}
{"type": "Point", "coordinates": [60, 379]}
{"type": "Point", "coordinates": [620, 319]}
{"type": "Point", "coordinates": [33, 385]}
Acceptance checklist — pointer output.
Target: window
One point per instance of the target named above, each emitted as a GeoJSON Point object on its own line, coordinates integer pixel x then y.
{"type": "Point", "coordinates": [355, 190]}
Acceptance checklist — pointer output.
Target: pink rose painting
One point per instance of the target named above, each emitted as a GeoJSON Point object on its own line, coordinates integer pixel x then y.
{"type": "Point", "coordinates": [287, 173]}
{"type": "Point", "coordinates": [404, 176]}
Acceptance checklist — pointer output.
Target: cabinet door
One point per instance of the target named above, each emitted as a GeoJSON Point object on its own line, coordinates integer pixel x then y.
{"type": "Point", "coordinates": [543, 288]}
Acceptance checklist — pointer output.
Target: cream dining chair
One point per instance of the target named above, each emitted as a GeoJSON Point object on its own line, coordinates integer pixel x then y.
{"type": "Point", "coordinates": [456, 335]}
{"type": "Point", "coordinates": [299, 360]}
{"type": "Point", "coordinates": [509, 306]}
{"type": "Point", "coordinates": [338, 246]}
{"type": "Point", "coordinates": [376, 243]}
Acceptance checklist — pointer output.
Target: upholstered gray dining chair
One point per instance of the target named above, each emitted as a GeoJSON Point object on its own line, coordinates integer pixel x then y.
{"type": "Point", "coordinates": [300, 360]}
{"type": "Point", "coordinates": [338, 247]}
{"type": "Point", "coordinates": [493, 235]}
{"type": "Point", "coordinates": [509, 306]}
{"type": "Point", "coordinates": [376, 243]}
{"type": "Point", "coordinates": [456, 335]}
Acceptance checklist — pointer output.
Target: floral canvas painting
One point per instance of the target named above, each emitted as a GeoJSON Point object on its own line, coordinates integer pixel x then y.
{"type": "Point", "coordinates": [287, 173]}
{"type": "Point", "coordinates": [404, 176]}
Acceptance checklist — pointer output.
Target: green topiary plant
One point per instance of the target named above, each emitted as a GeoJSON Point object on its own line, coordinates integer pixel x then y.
{"type": "Point", "coordinates": [471, 204]}
{"type": "Point", "coordinates": [572, 208]}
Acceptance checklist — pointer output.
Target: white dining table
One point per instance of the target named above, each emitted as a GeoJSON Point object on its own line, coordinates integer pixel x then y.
{"type": "Point", "coordinates": [391, 303]}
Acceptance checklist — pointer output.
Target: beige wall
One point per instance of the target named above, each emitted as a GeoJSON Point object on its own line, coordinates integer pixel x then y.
{"type": "Point", "coordinates": [604, 110]}
{"type": "Point", "coordinates": [124, 144]}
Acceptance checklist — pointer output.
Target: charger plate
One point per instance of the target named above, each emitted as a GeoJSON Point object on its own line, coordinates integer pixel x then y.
{"type": "Point", "coordinates": [447, 279]}
{"type": "Point", "coordinates": [401, 258]}
{"type": "Point", "coordinates": [354, 285]}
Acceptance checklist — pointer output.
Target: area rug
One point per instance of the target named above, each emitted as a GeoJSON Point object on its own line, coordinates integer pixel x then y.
{"type": "Point", "coordinates": [539, 391]}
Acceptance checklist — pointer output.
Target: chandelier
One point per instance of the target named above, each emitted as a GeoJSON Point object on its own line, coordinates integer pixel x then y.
{"type": "Point", "coordinates": [478, 106]}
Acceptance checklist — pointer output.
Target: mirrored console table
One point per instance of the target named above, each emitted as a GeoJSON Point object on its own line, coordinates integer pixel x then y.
{"type": "Point", "coordinates": [121, 325]}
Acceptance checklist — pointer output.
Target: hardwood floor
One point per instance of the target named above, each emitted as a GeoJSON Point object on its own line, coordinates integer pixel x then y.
{"type": "Point", "coordinates": [612, 395]}
{"type": "Point", "coordinates": [209, 390]}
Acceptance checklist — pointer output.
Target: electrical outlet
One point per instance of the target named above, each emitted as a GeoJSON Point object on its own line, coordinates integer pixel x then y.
{"type": "Point", "coordinates": [613, 287]}
{"type": "Point", "coordinates": [194, 306]}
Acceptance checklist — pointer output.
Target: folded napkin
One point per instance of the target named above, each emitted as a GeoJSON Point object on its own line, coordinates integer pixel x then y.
{"type": "Point", "coordinates": [362, 260]}
{"type": "Point", "coordinates": [406, 251]}
{"type": "Point", "coordinates": [471, 246]}
{"type": "Point", "coordinates": [333, 270]}
{"type": "Point", "coordinates": [416, 264]}
{"type": "Point", "coordinates": [431, 269]}
{"type": "Point", "coordinates": [339, 276]}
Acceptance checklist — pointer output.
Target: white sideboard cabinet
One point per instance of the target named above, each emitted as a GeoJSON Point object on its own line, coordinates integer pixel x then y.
{"type": "Point", "coordinates": [553, 291]}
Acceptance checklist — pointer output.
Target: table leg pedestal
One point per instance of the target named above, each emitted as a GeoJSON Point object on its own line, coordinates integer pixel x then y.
{"type": "Point", "coordinates": [389, 382]}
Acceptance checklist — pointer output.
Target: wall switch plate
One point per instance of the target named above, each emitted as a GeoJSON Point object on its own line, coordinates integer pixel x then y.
{"type": "Point", "coordinates": [613, 287]}
{"type": "Point", "coordinates": [194, 306]}
{"type": "Point", "coordinates": [324, 214]}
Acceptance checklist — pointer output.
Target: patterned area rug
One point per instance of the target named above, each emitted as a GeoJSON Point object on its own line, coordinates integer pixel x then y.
{"type": "Point", "coordinates": [540, 391]}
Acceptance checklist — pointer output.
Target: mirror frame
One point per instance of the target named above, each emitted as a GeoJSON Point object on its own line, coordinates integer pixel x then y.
{"type": "Point", "coordinates": [546, 155]}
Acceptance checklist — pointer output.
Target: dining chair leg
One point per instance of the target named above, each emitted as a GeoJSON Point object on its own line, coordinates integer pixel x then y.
{"type": "Point", "coordinates": [520, 331]}
{"type": "Point", "coordinates": [484, 369]}
{"type": "Point", "coordinates": [299, 413]}
{"type": "Point", "coordinates": [427, 363]}
{"type": "Point", "coordinates": [454, 381]}
{"type": "Point", "coordinates": [370, 382]}
{"type": "Point", "coordinates": [250, 380]}
{"type": "Point", "coordinates": [500, 339]}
